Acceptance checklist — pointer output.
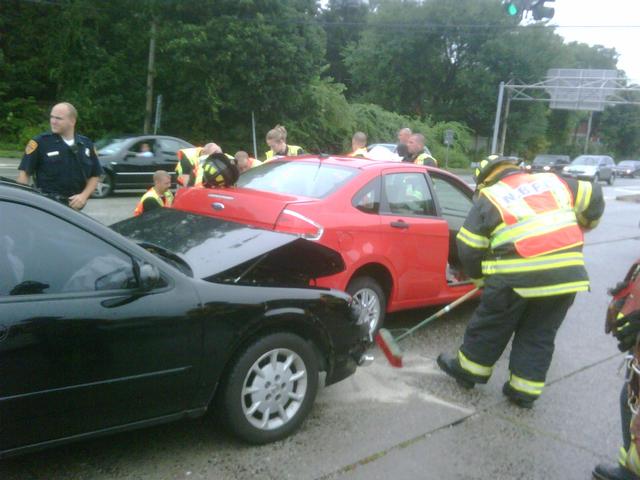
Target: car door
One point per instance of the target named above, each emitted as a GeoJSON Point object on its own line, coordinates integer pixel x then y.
{"type": "Point", "coordinates": [136, 167]}
{"type": "Point", "coordinates": [82, 348]}
{"type": "Point", "coordinates": [416, 239]}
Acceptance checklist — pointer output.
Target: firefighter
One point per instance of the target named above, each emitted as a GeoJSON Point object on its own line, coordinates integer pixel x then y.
{"type": "Point", "coordinates": [358, 145]}
{"type": "Point", "coordinates": [523, 240]}
{"type": "Point", "coordinates": [417, 154]}
{"type": "Point", "coordinates": [190, 161]}
{"type": "Point", "coordinates": [157, 196]}
{"type": "Point", "coordinates": [244, 162]}
{"type": "Point", "coordinates": [219, 171]}
{"type": "Point", "coordinates": [623, 321]}
{"type": "Point", "coordinates": [277, 141]}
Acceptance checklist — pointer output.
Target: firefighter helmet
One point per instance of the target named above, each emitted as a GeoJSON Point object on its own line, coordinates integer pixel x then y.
{"type": "Point", "coordinates": [486, 166]}
{"type": "Point", "coordinates": [219, 171]}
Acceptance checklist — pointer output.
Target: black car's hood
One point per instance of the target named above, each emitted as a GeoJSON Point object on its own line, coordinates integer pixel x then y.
{"type": "Point", "coordinates": [220, 250]}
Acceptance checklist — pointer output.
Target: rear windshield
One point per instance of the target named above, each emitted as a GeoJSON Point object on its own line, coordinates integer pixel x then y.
{"type": "Point", "coordinates": [308, 179]}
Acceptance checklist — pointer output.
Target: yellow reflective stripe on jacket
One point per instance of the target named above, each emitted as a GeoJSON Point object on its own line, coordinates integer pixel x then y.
{"type": "Point", "coordinates": [583, 197]}
{"type": "Point", "coordinates": [537, 225]}
{"type": "Point", "coordinates": [549, 290]}
{"type": "Point", "coordinates": [525, 386]}
{"type": "Point", "coordinates": [622, 457]}
{"type": "Point", "coordinates": [546, 262]}
{"type": "Point", "coordinates": [472, 239]}
{"type": "Point", "coordinates": [473, 367]}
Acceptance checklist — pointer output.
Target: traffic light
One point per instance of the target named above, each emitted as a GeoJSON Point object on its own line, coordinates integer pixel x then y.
{"type": "Point", "coordinates": [541, 12]}
{"type": "Point", "coordinates": [517, 7]}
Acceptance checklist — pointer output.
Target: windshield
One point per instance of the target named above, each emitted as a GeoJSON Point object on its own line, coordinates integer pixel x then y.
{"type": "Point", "coordinates": [585, 160]}
{"type": "Point", "coordinates": [111, 146]}
{"type": "Point", "coordinates": [307, 179]}
{"type": "Point", "coordinates": [627, 163]}
{"type": "Point", "coordinates": [543, 160]}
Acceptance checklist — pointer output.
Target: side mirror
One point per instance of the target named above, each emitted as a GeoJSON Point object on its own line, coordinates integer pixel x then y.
{"type": "Point", "coordinates": [148, 277]}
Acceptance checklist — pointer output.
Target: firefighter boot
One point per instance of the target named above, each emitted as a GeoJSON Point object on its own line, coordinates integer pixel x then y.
{"type": "Point", "coordinates": [521, 399]}
{"type": "Point", "coordinates": [613, 472]}
{"type": "Point", "coordinates": [451, 366]}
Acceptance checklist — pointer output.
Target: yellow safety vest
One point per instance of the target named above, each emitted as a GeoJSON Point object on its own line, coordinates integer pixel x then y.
{"type": "Point", "coordinates": [420, 159]}
{"type": "Point", "coordinates": [292, 150]}
{"type": "Point", "coordinates": [359, 152]}
{"type": "Point", "coordinates": [164, 201]}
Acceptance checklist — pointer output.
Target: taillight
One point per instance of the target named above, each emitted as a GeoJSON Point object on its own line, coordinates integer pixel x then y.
{"type": "Point", "coordinates": [296, 223]}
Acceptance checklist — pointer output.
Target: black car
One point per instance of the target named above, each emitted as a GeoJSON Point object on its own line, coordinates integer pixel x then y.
{"type": "Point", "coordinates": [549, 162]}
{"type": "Point", "coordinates": [129, 161]}
{"type": "Point", "coordinates": [100, 333]}
{"type": "Point", "coordinates": [628, 168]}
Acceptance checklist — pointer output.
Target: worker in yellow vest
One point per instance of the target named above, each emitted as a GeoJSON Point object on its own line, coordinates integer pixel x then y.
{"type": "Point", "coordinates": [244, 162]}
{"type": "Point", "coordinates": [157, 196]}
{"type": "Point", "coordinates": [190, 161]}
{"type": "Point", "coordinates": [277, 141]}
{"type": "Point", "coordinates": [523, 240]}
{"type": "Point", "coordinates": [417, 153]}
{"type": "Point", "coordinates": [358, 145]}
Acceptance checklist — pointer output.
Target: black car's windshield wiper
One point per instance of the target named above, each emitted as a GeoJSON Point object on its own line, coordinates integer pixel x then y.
{"type": "Point", "coordinates": [168, 256]}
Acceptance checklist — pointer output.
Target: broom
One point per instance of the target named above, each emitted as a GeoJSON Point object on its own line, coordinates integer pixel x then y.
{"type": "Point", "coordinates": [389, 345]}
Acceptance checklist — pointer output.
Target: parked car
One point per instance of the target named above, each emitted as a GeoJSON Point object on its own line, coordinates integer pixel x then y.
{"type": "Point", "coordinates": [394, 223]}
{"type": "Point", "coordinates": [628, 168]}
{"type": "Point", "coordinates": [593, 168]}
{"type": "Point", "coordinates": [100, 333]}
{"type": "Point", "coordinates": [128, 164]}
{"type": "Point", "coordinates": [549, 162]}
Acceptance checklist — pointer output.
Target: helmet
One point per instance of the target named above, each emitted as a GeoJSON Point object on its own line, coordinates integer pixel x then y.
{"type": "Point", "coordinates": [219, 171]}
{"type": "Point", "coordinates": [486, 166]}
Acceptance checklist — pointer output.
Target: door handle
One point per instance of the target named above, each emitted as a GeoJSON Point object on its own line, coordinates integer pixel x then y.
{"type": "Point", "coordinates": [399, 224]}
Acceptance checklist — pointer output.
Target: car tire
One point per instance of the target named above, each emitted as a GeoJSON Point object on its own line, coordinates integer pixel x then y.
{"type": "Point", "coordinates": [612, 178]}
{"type": "Point", "coordinates": [369, 294]}
{"type": "Point", "coordinates": [104, 187]}
{"type": "Point", "coordinates": [268, 407]}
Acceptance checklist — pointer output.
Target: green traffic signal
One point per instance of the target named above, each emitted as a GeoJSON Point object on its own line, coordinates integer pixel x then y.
{"type": "Point", "coordinates": [512, 9]}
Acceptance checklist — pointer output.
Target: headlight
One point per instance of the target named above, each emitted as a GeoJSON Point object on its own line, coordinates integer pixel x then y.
{"type": "Point", "coordinates": [527, 167]}
{"type": "Point", "coordinates": [546, 168]}
{"type": "Point", "coordinates": [565, 169]}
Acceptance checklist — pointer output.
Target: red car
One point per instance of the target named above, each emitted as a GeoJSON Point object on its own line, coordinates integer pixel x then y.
{"type": "Point", "coordinates": [394, 223]}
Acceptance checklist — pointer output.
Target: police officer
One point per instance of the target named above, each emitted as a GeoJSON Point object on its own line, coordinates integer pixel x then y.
{"type": "Point", "coordinates": [64, 164]}
{"type": "Point", "coordinates": [524, 235]}
{"type": "Point", "coordinates": [157, 196]}
{"type": "Point", "coordinates": [417, 155]}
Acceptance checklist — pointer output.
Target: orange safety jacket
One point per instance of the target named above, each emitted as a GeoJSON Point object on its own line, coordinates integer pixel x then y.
{"type": "Point", "coordinates": [165, 200]}
{"type": "Point", "coordinates": [537, 213]}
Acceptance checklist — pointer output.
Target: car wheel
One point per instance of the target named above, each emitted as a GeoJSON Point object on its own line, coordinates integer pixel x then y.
{"type": "Point", "coordinates": [612, 178]}
{"type": "Point", "coordinates": [368, 293]}
{"type": "Point", "coordinates": [104, 187]}
{"type": "Point", "coordinates": [270, 388]}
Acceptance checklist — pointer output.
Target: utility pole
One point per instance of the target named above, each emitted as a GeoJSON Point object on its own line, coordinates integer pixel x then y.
{"type": "Point", "coordinates": [505, 123]}
{"type": "Point", "coordinates": [496, 125]}
{"type": "Point", "coordinates": [150, 76]}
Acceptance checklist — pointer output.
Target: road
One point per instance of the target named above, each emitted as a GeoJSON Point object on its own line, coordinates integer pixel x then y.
{"type": "Point", "coordinates": [410, 423]}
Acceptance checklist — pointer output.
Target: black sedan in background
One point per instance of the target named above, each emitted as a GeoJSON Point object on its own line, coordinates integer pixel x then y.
{"type": "Point", "coordinates": [628, 168]}
{"type": "Point", "coordinates": [100, 333]}
{"type": "Point", "coordinates": [129, 161]}
{"type": "Point", "coordinates": [549, 162]}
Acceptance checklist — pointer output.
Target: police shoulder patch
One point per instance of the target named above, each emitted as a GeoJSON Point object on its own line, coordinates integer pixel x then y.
{"type": "Point", "coordinates": [31, 147]}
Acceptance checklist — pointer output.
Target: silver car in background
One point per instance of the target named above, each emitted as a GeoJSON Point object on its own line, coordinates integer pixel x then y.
{"type": "Point", "coordinates": [594, 168]}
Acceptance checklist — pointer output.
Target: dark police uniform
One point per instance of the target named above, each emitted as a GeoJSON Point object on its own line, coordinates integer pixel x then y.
{"type": "Point", "coordinates": [58, 169]}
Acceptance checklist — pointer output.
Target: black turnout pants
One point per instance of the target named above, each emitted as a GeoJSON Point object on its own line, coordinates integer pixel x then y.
{"type": "Point", "coordinates": [532, 322]}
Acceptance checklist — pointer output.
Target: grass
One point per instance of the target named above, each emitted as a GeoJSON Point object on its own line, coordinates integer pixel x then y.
{"type": "Point", "coordinates": [10, 153]}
